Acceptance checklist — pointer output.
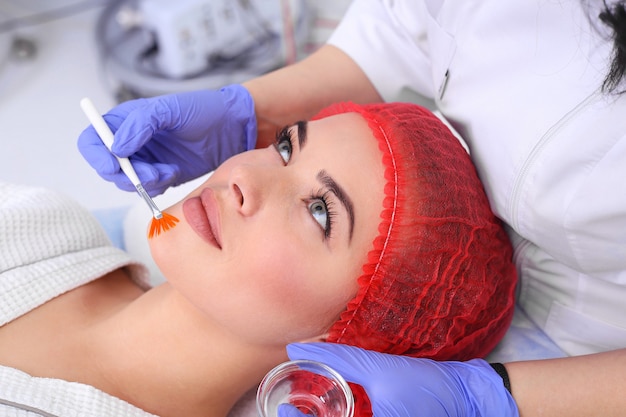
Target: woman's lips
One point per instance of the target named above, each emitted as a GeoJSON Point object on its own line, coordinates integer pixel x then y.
{"type": "Point", "coordinates": [203, 216]}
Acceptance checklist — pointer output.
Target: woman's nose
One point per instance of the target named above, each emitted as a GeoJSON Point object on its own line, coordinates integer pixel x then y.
{"type": "Point", "coordinates": [249, 186]}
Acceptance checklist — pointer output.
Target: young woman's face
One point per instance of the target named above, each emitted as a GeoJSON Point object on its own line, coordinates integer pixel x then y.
{"type": "Point", "coordinates": [271, 245]}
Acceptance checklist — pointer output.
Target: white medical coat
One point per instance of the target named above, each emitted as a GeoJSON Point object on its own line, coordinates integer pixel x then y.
{"type": "Point", "coordinates": [520, 81]}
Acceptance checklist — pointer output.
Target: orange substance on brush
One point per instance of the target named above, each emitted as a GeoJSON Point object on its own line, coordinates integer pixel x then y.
{"type": "Point", "coordinates": [161, 225]}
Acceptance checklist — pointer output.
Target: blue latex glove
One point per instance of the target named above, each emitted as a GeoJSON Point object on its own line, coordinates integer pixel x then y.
{"type": "Point", "coordinates": [173, 138]}
{"type": "Point", "coordinates": [402, 386]}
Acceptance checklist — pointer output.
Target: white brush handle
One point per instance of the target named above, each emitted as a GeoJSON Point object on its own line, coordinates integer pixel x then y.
{"type": "Point", "coordinates": [106, 135]}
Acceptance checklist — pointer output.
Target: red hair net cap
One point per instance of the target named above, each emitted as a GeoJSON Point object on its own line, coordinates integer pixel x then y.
{"type": "Point", "coordinates": [439, 282]}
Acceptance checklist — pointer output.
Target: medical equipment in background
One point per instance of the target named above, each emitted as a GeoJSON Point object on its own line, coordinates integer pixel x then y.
{"type": "Point", "coordinates": [152, 47]}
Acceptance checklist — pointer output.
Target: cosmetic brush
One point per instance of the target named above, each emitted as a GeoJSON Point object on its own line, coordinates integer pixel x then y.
{"type": "Point", "coordinates": [161, 221]}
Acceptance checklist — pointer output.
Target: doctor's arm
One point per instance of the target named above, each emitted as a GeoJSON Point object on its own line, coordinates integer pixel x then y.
{"type": "Point", "coordinates": [299, 91]}
{"type": "Point", "coordinates": [591, 385]}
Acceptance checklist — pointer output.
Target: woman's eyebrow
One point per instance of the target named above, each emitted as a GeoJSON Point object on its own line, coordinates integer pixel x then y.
{"type": "Point", "coordinates": [301, 125]}
{"type": "Point", "coordinates": [336, 189]}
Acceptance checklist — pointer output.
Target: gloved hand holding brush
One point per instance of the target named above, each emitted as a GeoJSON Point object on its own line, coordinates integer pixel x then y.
{"type": "Point", "coordinates": [173, 138]}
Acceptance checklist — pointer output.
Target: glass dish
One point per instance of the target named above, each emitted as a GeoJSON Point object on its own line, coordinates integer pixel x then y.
{"type": "Point", "coordinates": [312, 387]}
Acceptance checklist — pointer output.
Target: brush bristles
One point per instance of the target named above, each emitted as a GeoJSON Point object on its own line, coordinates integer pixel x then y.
{"type": "Point", "coordinates": [161, 225]}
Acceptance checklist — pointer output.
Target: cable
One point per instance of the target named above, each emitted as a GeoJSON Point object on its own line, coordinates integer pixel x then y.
{"type": "Point", "coordinates": [27, 408]}
{"type": "Point", "coordinates": [291, 51]}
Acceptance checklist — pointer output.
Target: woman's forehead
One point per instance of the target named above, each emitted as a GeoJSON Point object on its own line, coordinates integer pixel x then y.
{"type": "Point", "coordinates": [350, 127]}
{"type": "Point", "coordinates": [348, 118]}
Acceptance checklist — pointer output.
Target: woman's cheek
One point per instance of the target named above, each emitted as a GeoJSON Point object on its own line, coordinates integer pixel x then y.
{"type": "Point", "coordinates": [281, 273]}
{"type": "Point", "coordinates": [303, 292]}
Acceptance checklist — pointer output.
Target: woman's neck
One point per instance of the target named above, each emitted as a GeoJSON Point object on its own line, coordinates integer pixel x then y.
{"type": "Point", "coordinates": [163, 355]}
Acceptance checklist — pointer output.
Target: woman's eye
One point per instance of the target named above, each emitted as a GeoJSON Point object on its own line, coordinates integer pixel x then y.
{"type": "Point", "coordinates": [319, 211]}
{"type": "Point", "coordinates": [320, 207]}
{"type": "Point", "coordinates": [284, 149]}
{"type": "Point", "coordinates": [284, 144]}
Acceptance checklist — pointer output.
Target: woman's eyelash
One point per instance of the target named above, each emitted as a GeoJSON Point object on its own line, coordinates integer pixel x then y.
{"type": "Point", "coordinates": [283, 134]}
